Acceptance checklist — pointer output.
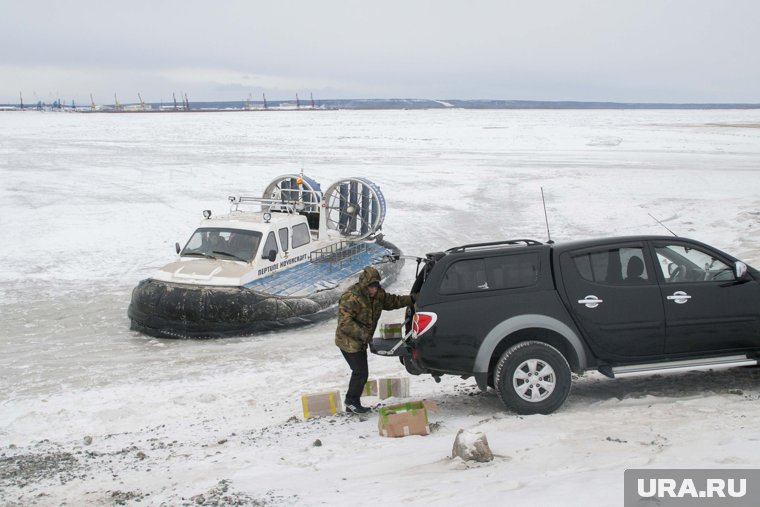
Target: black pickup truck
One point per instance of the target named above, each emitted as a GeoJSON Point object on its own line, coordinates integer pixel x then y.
{"type": "Point", "coordinates": [520, 315]}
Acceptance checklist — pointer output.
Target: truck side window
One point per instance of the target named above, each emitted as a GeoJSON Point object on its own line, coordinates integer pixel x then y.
{"type": "Point", "coordinates": [464, 276]}
{"type": "Point", "coordinates": [491, 273]}
{"type": "Point", "coordinates": [616, 266]}
{"type": "Point", "coordinates": [686, 264]}
{"type": "Point", "coordinates": [512, 271]}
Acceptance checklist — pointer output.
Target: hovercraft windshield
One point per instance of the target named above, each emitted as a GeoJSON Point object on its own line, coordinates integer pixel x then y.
{"type": "Point", "coordinates": [211, 242]}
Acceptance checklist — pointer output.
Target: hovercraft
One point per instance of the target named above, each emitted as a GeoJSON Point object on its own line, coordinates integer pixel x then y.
{"type": "Point", "coordinates": [284, 263]}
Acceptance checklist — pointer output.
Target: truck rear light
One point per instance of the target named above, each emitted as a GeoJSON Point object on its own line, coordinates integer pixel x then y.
{"type": "Point", "coordinates": [422, 322]}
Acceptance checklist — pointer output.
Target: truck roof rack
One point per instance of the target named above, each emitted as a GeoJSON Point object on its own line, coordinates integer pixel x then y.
{"type": "Point", "coordinates": [514, 242]}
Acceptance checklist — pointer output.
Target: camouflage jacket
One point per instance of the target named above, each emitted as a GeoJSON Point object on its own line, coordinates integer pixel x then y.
{"type": "Point", "coordinates": [358, 313]}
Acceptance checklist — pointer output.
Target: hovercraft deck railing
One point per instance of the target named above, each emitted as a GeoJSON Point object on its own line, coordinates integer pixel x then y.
{"type": "Point", "coordinates": [338, 254]}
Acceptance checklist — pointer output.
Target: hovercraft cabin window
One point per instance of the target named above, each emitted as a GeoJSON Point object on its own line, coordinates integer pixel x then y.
{"type": "Point", "coordinates": [270, 245]}
{"type": "Point", "coordinates": [301, 235]}
{"type": "Point", "coordinates": [283, 238]}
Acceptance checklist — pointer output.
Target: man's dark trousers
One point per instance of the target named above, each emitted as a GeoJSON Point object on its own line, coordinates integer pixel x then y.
{"type": "Point", "coordinates": [357, 361]}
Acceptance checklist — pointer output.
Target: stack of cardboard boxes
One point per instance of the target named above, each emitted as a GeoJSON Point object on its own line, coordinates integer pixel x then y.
{"type": "Point", "coordinates": [384, 388]}
{"type": "Point", "coordinates": [395, 420]}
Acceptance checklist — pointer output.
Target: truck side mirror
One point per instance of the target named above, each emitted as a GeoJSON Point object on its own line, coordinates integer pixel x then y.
{"type": "Point", "coordinates": [176, 247]}
{"type": "Point", "coordinates": [740, 269]}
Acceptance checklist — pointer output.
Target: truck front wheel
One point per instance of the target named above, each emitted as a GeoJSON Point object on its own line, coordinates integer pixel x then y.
{"type": "Point", "coordinates": [532, 378]}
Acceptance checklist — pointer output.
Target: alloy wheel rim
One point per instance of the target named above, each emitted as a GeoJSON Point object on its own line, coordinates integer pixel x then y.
{"type": "Point", "coordinates": [534, 380]}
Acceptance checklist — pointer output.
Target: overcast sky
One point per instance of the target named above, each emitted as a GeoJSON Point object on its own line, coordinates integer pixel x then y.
{"type": "Point", "coordinates": [591, 50]}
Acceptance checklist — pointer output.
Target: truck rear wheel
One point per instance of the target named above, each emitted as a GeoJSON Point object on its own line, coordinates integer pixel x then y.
{"type": "Point", "coordinates": [532, 378]}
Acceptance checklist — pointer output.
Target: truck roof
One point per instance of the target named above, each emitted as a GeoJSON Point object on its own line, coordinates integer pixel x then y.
{"type": "Point", "coordinates": [568, 245]}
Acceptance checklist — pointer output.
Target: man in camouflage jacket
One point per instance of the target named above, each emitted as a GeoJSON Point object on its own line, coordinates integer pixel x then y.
{"type": "Point", "coordinates": [359, 310]}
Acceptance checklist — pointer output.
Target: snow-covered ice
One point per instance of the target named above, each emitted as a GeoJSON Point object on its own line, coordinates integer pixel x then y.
{"type": "Point", "coordinates": [94, 414]}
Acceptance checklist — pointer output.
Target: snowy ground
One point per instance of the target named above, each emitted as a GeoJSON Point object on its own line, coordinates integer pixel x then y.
{"type": "Point", "coordinates": [94, 414]}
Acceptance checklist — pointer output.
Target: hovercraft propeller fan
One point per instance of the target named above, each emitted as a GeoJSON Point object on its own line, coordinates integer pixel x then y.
{"type": "Point", "coordinates": [296, 190]}
{"type": "Point", "coordinates": [355, 207]}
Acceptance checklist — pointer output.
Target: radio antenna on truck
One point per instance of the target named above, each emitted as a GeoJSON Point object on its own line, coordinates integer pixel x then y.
{"type": "Point", "coordinates": [546, 218]}
{"type": "Point", "coordinates": [666, 227]}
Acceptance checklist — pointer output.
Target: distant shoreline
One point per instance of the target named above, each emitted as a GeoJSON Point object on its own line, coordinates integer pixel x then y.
{"type": "Point", "coordinates": [365, 104]}
{"type": "Point", "coordinates": [735, 125]}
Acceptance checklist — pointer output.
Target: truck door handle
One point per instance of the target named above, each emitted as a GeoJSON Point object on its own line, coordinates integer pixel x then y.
{"type": "Point", "coordinates": [679, 297]}
{"type": "Point", "coordinates": [590, 301]}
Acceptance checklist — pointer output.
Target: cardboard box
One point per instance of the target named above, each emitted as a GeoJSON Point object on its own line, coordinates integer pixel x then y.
{"type": "Point", "coordinates": [405, 419]}
{"type": "Point", "coordinates": [370, 388]}
{"type": "Point", "coordinates": [387, 387]}
{"type": "Point", "coordinates": [320, 404]}
{"type": "Point", "coordinates": [395, 330]}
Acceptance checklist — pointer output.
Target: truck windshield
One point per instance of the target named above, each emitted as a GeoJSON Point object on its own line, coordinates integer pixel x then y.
{"type": "Point", "coordinates": [232, 244]}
